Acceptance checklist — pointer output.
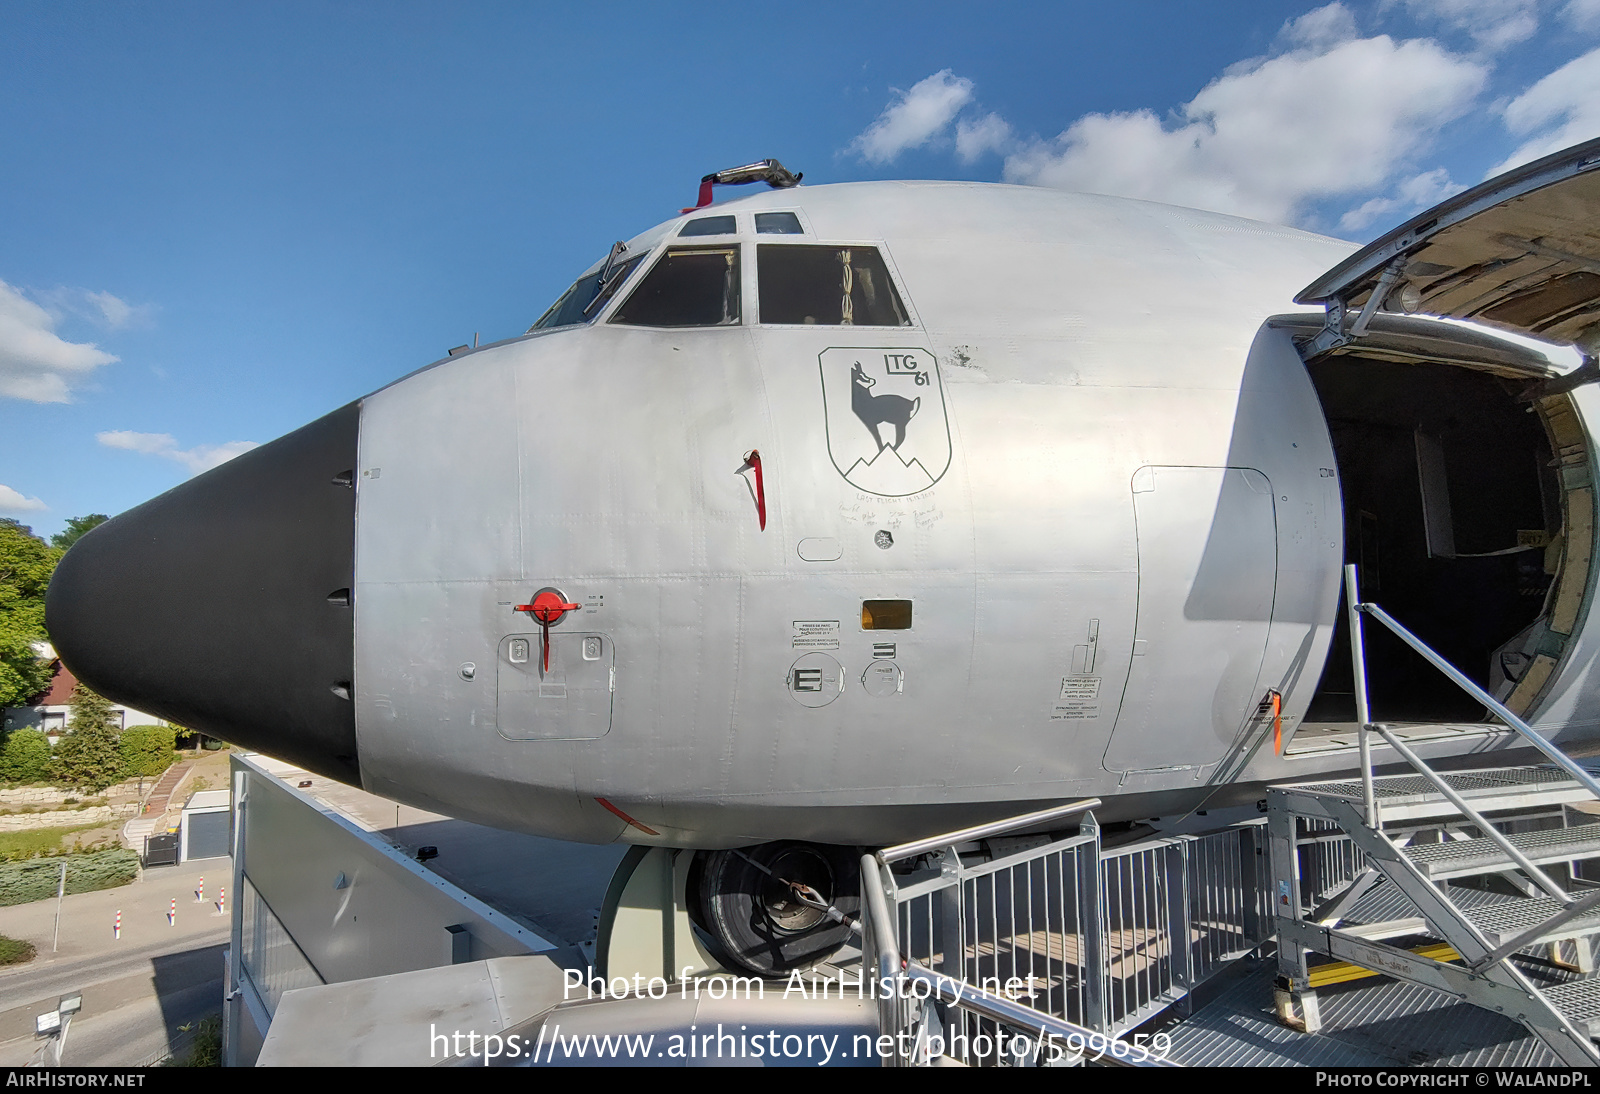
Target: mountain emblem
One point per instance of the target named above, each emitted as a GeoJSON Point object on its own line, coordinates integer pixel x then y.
{"type": "Point", "coordinates": [886, 426]}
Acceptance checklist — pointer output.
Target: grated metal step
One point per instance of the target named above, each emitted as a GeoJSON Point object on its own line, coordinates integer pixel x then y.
{"type": "Point", "coordinates": [1439, 861]}
{"type": "Point", "coordinates": [1403, 797]}
{"type": "Point", "coordinates": [1579, 1001]}
{"type": "Point", "coordinates": [1503, 922]}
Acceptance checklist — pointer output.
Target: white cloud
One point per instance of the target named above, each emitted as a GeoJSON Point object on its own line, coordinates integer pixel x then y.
{"type": "Point", "coordinates": [1412, 196]}
{"type": "Point", "coordinates": [113, 311]}
{"type": "Point", "coordinates": [12, 501]}
{"type": "Point", "coordinates": [990, 133]}
{"type": "Point", "coordinates": [1560, 110]}
{"type": "Point", "coordinates": [1582, 14]}
{"type": "Point", "coordinates": [35, 363]}
{"type": "Point", "coordinates": [1339, 116]}
{"type": "Point", "coordinates": [200, 458]}
{"type": "Point", "coordinates": [916, 118]}
{"type": "Point", "coordinates": [102, 309]}
{"type": "Point", "coordinates": [1320, 29]}
{"type": "Point", "coordinates": [1493, 24]}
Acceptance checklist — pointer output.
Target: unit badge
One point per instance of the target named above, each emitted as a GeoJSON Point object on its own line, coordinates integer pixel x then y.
{"type": "Point", "coordinates": [887, 432]}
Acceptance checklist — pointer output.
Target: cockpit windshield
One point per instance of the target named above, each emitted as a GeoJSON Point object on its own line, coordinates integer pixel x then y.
{"type": "Point", "coordinates": [588, 295]}
{"type": "Point", "coordinates": [827, 286]}
{"type": "Point", "coordinates": [689, 287]}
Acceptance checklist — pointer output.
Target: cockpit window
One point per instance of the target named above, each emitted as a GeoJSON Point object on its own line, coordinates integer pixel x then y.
{"type": "Point", "coordinates": [778, 224]}
{"type": "Point", "coordinates": [709, 226]}
{"type": "Point", "coordinates": [689, 287]}
{"type": "Point", "coordinates": [827, 286]}
{"type": "Point", "coordinates": [588, 295]}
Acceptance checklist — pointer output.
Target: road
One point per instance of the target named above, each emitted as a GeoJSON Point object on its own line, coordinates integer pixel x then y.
{"type": "Point", "coordinates": [137, 989]}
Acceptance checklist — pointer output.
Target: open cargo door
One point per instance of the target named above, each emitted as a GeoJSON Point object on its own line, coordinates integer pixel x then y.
{"type": "Point", "coordinates": [1520, 252]}
{"type": "Point", "coordinates": [1431, 415]}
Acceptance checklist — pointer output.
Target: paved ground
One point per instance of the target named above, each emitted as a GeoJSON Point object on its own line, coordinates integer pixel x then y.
{"type": "Point", "coordinates": [137, 989]}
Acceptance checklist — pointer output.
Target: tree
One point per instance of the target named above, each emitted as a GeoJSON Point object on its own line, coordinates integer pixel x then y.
{"type": "Point", "coordinates": [26, 563]}
{"type": "Point", "coordinates": [89, 755]}
{"type": "Point", "coordinates": [25, 756]}
{"type": "Point", "coordinates": [88, 709]}
{"type": "Point", "coordinates": [148, 750]}
{"type": "Point", "coordinates": [75, 529]}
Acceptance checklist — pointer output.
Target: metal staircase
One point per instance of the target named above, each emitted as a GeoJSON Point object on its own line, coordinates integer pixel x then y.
{"type": "Point", "coordinates": [1400, 887]}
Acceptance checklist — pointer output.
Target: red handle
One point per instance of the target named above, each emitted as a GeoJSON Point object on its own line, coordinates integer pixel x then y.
{"type": "Point", "coordinates": [753, 461]}
{"type": "Point", "coordinates": [547, 607]}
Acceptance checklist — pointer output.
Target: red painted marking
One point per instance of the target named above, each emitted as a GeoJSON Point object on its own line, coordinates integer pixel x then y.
{"type": "Point", "coordinates": [753, 461]}
{"type": "Point", "coordinates": [705, 195]}
{"type": "Point", "coordinates": [646, 829]}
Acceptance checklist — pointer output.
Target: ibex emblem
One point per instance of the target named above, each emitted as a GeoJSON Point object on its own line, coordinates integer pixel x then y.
{"type": "Point", "coordinates": [879, 389]}
{"type": "Point", "coordinates": [880, 410]}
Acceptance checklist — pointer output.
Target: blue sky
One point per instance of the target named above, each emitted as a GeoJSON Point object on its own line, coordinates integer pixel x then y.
{"type": "Point", "coordinates": [224, 220]}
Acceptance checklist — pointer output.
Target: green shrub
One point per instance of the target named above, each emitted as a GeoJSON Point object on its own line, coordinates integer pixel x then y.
{"type": "Point", "coordinates": [25, 756]}
{"type": "Point", "coordinates": [14, 952]}
{"type": "Point", "coordinates": [21, 882]}
{"type": "Point", "coordinates": [148, 750]}
{"type": "Point", "coordinates": [205, 1049]}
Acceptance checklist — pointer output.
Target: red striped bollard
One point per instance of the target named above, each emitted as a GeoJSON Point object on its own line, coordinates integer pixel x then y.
{"type": "Point", "coordinates": [116, 925]}
{"type": "Point", "coordinates": [172, 913]}
{"type": "Point", "coordinates": [222, 899]}
{"type": "Point", "coordinates": [200, 892]}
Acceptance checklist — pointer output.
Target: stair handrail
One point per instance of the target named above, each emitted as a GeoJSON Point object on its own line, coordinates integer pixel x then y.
{"type": "Point", "coordinates": [881, 951]}
{"type": "Point", "coordinates": [1556, 756]}
{"type": "Point", "coordinates": [1358, 608]}
{"type": "Point", "coordinates": [1358, 669]}
{"type": "Point", "coordinates": [1538, 876]}
{"type": "Point", "coordinates": [889, 855]}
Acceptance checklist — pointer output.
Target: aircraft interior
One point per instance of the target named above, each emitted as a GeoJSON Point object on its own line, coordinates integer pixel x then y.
{"type": "Point", "coordinates": [1454, 513]}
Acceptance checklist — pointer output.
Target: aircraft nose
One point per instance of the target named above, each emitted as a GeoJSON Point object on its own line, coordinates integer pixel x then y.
{"type": "Point", "coordinates": [224, 605]}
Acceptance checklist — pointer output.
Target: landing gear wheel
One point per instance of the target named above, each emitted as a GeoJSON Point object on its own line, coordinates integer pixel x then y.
{"type": "Point", "coordinates": [756, 917]}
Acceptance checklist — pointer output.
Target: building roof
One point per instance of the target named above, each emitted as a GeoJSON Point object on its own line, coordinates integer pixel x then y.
{"type": "Point", "coordinates": [60, 690]}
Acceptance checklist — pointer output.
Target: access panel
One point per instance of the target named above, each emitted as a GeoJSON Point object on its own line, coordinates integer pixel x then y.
{"type": "Point", "coordinates": [1208, 564]}
{"type": "Point", "coordinates": [570, 699]}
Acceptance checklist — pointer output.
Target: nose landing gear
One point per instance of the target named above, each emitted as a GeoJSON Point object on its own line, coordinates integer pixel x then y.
{"type": "Point", "coordinates": [779, 906]}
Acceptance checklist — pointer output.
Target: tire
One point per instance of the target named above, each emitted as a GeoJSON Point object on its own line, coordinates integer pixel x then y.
{"type": "Point", "coordinates": [756, 921]}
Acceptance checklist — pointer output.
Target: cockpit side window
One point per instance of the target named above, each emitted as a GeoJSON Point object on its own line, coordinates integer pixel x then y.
{"type": "Point", "coordinates": [827, 286]}
{"type": "Point", "coordinates": [688, 287]}
{"type": "Point", "coordinates": [587, 296]}
{"type": "Point", "coordinates": [709, 226]}
{"type": "Point", "coordinates": [778, 224]}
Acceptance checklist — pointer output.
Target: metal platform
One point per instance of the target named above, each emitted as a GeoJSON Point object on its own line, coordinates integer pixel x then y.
{"type": "Point", "coordinates": [1371, 1023]}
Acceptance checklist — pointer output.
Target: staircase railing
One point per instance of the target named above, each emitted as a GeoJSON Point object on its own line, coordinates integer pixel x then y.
{"type": "Point", "coordinates": [1353, 598]}
{"type": "Point", "coordinates": [1571, 907]}
{"type": "Point", "coordinates": [1075, 944]}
